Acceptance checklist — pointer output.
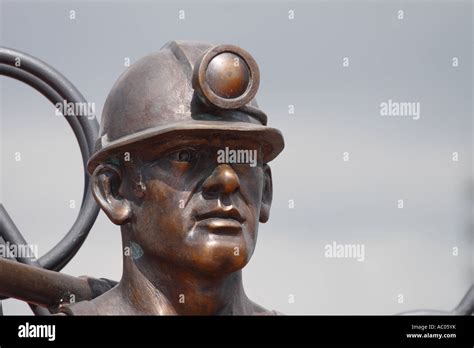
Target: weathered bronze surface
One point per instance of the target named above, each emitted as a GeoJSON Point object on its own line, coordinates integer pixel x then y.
{"type": "Point", "coordinates": [47, 288]}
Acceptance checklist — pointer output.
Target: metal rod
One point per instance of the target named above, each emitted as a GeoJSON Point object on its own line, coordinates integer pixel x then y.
{"type": "Point", "coordinates": [51, 288]}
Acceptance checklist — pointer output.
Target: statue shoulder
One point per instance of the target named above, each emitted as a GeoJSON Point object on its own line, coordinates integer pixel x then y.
{"type": "Point", "coordinates": [109, 303]}
{"type": "Point", "coordinates": [80, 308]}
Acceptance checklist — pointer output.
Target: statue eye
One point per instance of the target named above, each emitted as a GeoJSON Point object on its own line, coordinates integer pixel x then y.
{"type": "Point", "coordinates": [186, 155]}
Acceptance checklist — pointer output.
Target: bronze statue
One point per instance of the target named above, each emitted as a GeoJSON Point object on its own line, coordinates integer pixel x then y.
{"type": "Point", "coordinates": [181, 164]}
{"type": "Point", "coordinates": [189, 221]}
{"type": "Point", "coordinates": [188, 216]}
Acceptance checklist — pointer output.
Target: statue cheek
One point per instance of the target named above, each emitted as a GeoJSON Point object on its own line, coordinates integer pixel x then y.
{"type": "Point", "coordinates": [252, 193]}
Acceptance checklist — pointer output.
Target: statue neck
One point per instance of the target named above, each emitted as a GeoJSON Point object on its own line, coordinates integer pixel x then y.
{"type": "Point", "coordinates": [157, 288]}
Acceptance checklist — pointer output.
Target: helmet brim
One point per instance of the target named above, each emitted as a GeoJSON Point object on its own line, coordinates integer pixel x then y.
{"type": "Point", "coordinates": [271, 139]}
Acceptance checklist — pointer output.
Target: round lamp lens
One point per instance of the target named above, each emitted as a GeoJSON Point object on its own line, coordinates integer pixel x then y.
{"type": "Point", "coordinates": [228, 75]}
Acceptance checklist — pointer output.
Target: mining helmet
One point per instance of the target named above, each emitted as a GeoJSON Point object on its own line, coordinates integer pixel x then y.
{"type": "Point", "coordinates": [185, 88]}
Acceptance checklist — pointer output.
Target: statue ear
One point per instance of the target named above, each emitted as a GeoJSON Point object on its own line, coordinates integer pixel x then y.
{"type": "Point", "coordinates": [267, 194]}
{"type": "Point", "coordinates": [106, 181]}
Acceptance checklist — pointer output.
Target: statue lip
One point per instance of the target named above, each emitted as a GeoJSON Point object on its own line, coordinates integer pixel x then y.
{"type": "Point", "coordinates": [231, 213]}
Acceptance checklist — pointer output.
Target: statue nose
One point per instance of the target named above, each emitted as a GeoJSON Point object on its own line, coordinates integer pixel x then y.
{"type": "Point", "coordinates": [223, 180]}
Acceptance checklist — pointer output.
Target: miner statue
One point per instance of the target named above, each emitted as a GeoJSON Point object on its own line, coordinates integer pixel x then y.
{"type": "Point", "coordinates": [181, 165]}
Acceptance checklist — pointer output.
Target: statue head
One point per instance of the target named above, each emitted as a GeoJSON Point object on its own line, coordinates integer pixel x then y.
{"type": "Point", "coordinates": [181, 162]}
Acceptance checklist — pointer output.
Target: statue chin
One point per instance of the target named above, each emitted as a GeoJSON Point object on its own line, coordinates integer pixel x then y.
{"type": "Point", "coordinates": [218, 260]}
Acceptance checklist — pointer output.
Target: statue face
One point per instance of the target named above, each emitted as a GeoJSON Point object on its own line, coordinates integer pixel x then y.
{"type": "Point", "coordinates": [200, 209]}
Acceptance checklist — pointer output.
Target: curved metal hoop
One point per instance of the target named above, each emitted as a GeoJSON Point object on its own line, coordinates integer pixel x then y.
{"type": "Point", "coordinates": [57, 89]}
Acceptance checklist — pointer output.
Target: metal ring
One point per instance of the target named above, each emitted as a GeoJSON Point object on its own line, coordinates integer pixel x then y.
{"type": "Point", "coordinates": [58, 89]}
